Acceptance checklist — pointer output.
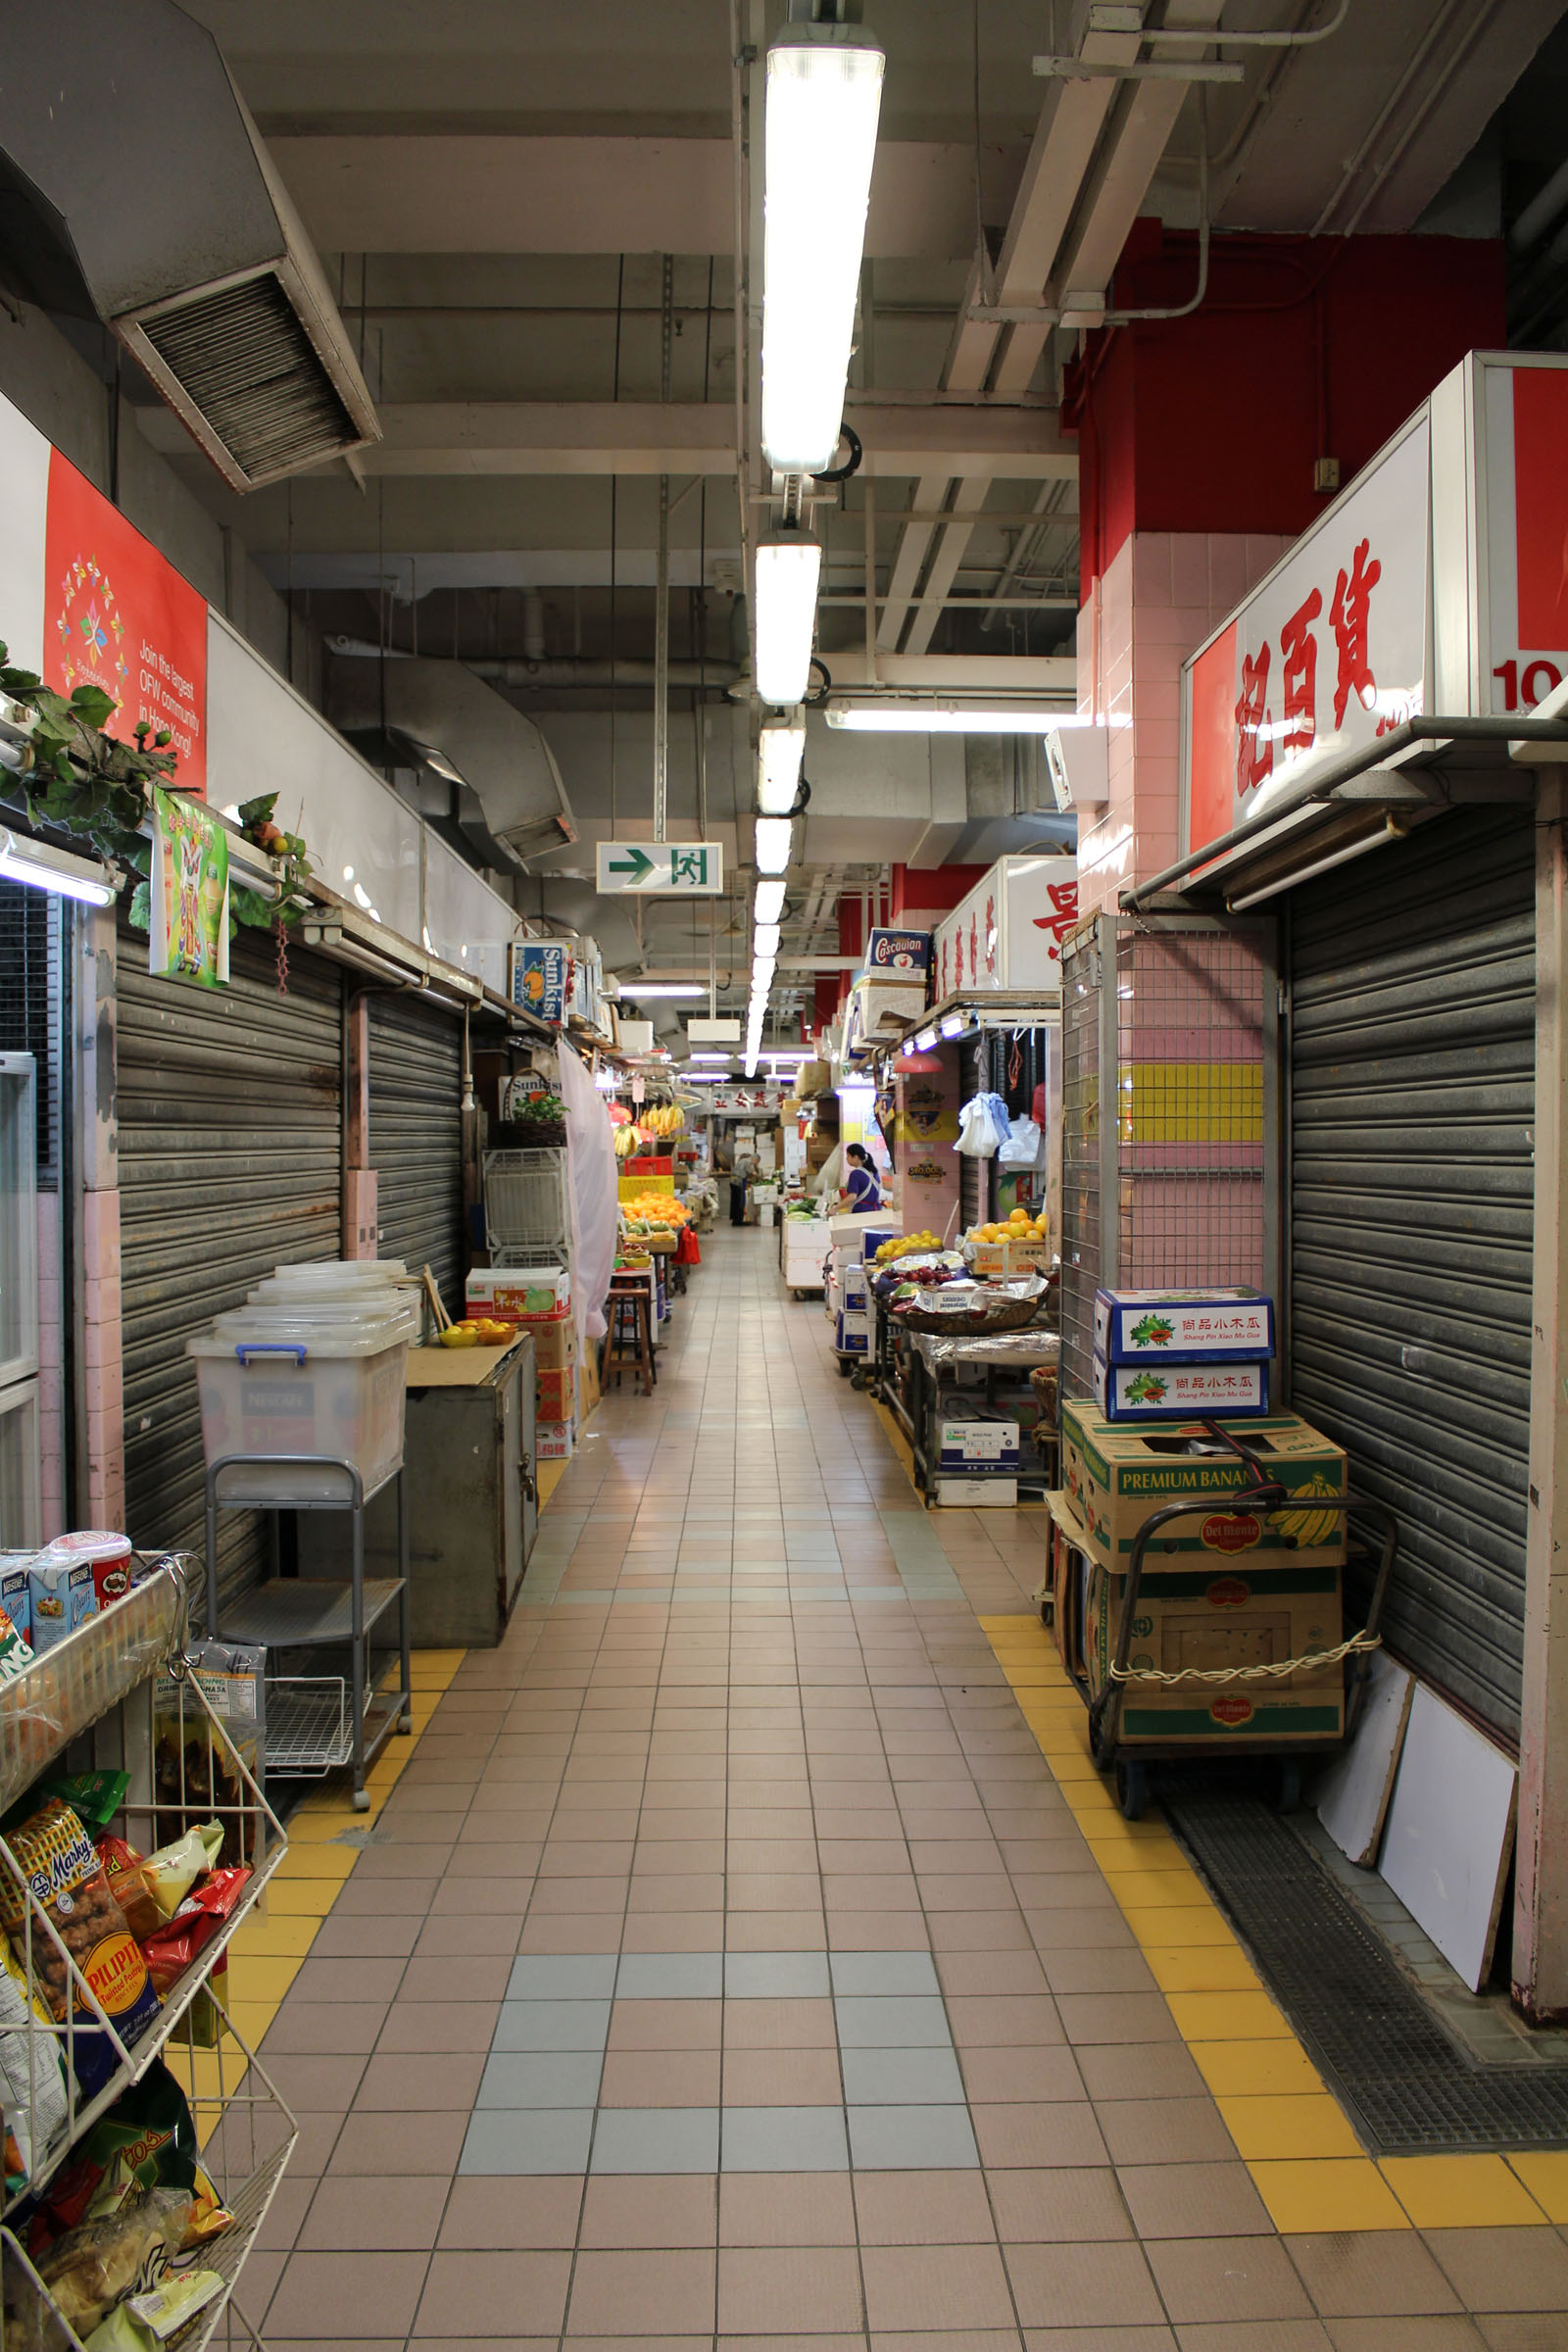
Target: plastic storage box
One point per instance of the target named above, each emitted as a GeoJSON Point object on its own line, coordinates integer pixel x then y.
{"type": "Point", "coordinates": [309, 1387]}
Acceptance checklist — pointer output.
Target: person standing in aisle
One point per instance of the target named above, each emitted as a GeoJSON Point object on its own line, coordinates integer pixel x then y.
{"type": "Point", "coordinates": [745, 1170]}
{"type": "Point", "coordinates": [860, 1187]}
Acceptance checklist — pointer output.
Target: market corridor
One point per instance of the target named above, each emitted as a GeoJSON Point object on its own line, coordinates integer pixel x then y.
{"type": "Point", "coordinates": [727, 1968]}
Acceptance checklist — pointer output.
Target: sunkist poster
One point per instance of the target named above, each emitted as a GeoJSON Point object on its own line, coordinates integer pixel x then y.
{"type": "Point", "coordinates": [118, 616]}
{"type": "Point", "coordinates": [188, 899]}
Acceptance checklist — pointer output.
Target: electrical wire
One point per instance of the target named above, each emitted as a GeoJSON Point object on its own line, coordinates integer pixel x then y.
{"type": "Point", "coordinates": [614, 501]}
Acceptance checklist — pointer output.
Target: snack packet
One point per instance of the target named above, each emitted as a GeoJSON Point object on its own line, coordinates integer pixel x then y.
{"type": "Point", "coordinates": [95, 1798]}
{"type": "Point", "coordinates": [150, 1889]}
{"type": "Point", "coordinates": [147, 2140]}
{"type": "Point", "coordinates": [171, 1950]}
{"type": "Point", "coordinates": [32, 2090]}
{"type": "Point", "coordinates": [66, 1879]}
{"type": "Point", "coordinates": [123, 1868]}
{"type": "Point", "coordinates": [91, 2269]}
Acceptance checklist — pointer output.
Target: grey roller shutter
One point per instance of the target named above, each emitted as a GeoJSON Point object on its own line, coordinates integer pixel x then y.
{"type": "Point", "coordinates": [228, 1106]}
{"type": "Point", "coordinates": [1413, 1026]}
{"type": "Point", "coordinates": [417, 1137]}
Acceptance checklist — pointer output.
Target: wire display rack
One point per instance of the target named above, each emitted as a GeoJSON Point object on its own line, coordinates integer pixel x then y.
{"type": "Point", "coordinates": [527, 1209]}
{"type": "Point", "coordinates": [184, 1770]}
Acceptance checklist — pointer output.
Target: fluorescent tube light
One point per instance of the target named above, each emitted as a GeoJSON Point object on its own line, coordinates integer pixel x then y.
{"type": "Point", "coordinates": [824, 92]}
{"type": "Point", "coordinates": [954, 1024]}
{"type": "Point", "coordinates": [663, 988]}
{"type": "Point", "coordinates": [780, 748]}
{"type": "Point", "coordinates": [925, 1039]}
{"type": "Point", "coordinates": [885, 717]}
{"type": "Point", "coordinates": [764, 939]}
{"type": "Point", "coordinates": [42, 867]}
{"type": "Point", "coordinates": [784, 614]}
{"type": "Point", "coordinates": [775, 838]}
{"type": "Point", "coordinates": [724, 1057]}
{"type": "Point", "coordinates": [767, 901]}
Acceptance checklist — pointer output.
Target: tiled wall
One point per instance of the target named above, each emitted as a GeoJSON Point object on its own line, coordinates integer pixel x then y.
{"type": "Point", "coordinates": [1161, 596]}
{"type": "Point", "coordinates": [51, 1412]}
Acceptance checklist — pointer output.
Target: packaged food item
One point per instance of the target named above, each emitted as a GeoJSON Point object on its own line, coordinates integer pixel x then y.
{"type": "Point", "coordinates": [101, 1549]}
{"type": "Point", "coordinates": [177, 2297]}
{"type": "Point", "coordinates": [16, 1598]}
{"type": "Point", "coordinates": [150, 1889]}
{"type": "Point", "coordinates": [32, 2083]}
{"type": "Point", "coordinates": [68, 1880]}
{"type": "Point", "coordinates": [193, 1768]}
{"type": "Point", "coordinates": [16, 1651]}
{"type": "Point", "coordinates": [91, 2269]}
{"type": "Point", "coordinates": [171, 1950]}
{"type": "Point", "coordinates": [147, 2140]}
{"type": "Point", "coordinates": [123, 1868]}
{"type": "Point", "coordinates": [95, 1798]}
{"type": "Point", "coordinates": [63, 1597]}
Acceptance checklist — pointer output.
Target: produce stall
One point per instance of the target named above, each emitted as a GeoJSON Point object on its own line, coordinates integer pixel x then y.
{"type": "Point", "coordinates": [805, 1239]}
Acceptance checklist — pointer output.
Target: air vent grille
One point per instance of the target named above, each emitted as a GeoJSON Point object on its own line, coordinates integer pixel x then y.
{"type": "Point", "coordinates": [243, 360]}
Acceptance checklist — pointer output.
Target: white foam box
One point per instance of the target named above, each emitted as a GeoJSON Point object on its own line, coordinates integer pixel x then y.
{"type": "Point", "coordinates": [554, 1440]}
{"type": "Point", "coordinates": [854, 1334]}
{"type": "Point", "coordinates": [977, 1494]}
{"type": "Point", "coordinates": [853, 1288]}
{"type": "Point", "coordinates": [1210, 1326]}
{"type": "Point", "coordinates": [991, 1446]}
{"type": "Point", "coordinates": [1179, 1391]}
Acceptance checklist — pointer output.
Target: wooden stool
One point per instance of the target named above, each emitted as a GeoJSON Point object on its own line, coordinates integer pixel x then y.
{"type": "Point", "coordinates": [632, 1319]}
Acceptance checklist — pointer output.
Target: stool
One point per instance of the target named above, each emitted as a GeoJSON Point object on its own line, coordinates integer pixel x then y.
{"type": "Point", "coordinates": [630, 1321]}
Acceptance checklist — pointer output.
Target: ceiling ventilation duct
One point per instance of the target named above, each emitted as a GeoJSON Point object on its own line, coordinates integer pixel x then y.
{"type": "Point", "coordinates": [122, 117]}
{"type": "Point", "coordinates": [505, 793]}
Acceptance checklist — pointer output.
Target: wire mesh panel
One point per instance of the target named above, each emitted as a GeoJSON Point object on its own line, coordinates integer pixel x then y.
{"type": "Point", "coordinates": [1179, 1009]}
{"type": "Point", "coordinates": [526, 1211]}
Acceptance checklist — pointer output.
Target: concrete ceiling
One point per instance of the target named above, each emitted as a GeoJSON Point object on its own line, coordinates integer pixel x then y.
{"type": "Point", "coordinates": [492, 188]}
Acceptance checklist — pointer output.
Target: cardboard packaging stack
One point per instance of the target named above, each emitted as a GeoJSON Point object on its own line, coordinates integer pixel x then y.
{"type": "Point", "coordinates": [1218, 1588]}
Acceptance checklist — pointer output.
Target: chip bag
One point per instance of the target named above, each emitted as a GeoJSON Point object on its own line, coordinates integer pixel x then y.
{"type": "Point", "coordinates": [171, 1950]}
{"type": "Point", "coordinates": [146, 2140]}
{"type": "Point", "coordinates": [68, 1880]}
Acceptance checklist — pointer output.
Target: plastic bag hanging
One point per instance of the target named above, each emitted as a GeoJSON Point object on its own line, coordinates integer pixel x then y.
{"type": "Point", "coordinates": [1023, 1145]}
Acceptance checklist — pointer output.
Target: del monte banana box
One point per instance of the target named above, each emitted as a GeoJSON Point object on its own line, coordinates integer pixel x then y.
{"type": "Point", "coordinates": [1205, 1615]}
{"type": "Point", "coordinates": [1118, 1474]}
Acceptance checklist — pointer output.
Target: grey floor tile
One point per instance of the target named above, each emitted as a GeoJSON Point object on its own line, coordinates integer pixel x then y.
{"type": "Point", "coordinates": [657, 2139]}
{"type": "Point", "coordinates": [902, 2078]}
{"type": "Point", "coordinates": [563, 1977]}
{"type": "Point", "coordinates": [775, 1975]}
{"type": "Point", "coordinates": [906, 2140]}
{"type": "Point", "coordinates": [541, 2079]}
{"type": "Point", "coordinates": [670, 1976]}
{"type": "Point", "coordinates": [884, 1973]}
{"type": "Point", "coordinates": [784, 2139]}
{"type": "Point", "coordinates": [869, 2021]}
{"type": "Point", "coordinates": [514, 2140]}
{"type": "Point", "coordinates": [552, 2026]}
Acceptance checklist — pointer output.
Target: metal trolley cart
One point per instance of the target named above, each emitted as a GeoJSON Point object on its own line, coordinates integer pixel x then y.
{"type": "Point", "coordinates": [1111, 1752]}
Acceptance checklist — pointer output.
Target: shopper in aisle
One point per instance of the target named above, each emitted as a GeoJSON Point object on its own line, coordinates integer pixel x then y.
{"type": "Point", "coordinates": [745, 1170]}
{"type": "Point", "coordinates": [861, 1190]}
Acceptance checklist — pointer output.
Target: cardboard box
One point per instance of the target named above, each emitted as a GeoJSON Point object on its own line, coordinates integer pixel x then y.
{"type": "Point", "coordinates": [852, 1333]}
{"type": "Point", "coordinates": [1166, 1391]}
{"type": "Point", "coordinates": [977, 1494]}
{"type": "Point", "coordinates": [853, 1288]}
{"type": "Point", "coordinates": [977, 1446]}
{"type": "Point", "coordinates": [1210, 1617]}
{"type": "Point", "coordinates": [897, 952]}
{"type": "Point", "coordinates": [517, 1294]}
{"type": "Point", "coordinates": [1216, 1327]}
{"type": "Point", "coordinates": [1001, 1260]}
{"type": "Point", "coordinates": [554, 1440]}
{"type": "Point", "coordinates": [554, 1339]}
{"type": "Point", "coordinates": [556, 1394]}
{"type": "Point", "coordinates": [1116, 1476]}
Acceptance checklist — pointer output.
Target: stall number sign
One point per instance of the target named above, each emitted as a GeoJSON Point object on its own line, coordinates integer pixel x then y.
{"type": "Point", "coordinates": [1327, 653]}
{"type": "Point", "coordinates": [1525, 411]}
{"type": "Point", "coordinates": [687, 868]}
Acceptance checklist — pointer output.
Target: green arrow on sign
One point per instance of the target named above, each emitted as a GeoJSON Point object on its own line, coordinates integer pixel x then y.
{"type": "Point", "coordinates": [634, 863]}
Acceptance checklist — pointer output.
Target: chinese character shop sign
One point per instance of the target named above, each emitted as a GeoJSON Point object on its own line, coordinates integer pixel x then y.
{"type": "Point", "coordinates": [1330, 651]}
{"type": "Point", "coordinates": [118, 616]}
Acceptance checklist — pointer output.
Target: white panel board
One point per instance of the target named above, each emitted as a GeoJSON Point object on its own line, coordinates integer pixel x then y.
{"type": "Point", "coordinates": [24, 506]}
{"type": "Point", "coordinates": [1450, 1834]}
{"type": "Point", "coordinates": [1353, 1794]}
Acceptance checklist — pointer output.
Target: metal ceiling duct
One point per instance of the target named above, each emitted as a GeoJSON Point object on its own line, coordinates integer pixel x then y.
{"type": "Point", "coordinates": [492, 756]}
{"type": "Point", "coordinates": [124, 117]}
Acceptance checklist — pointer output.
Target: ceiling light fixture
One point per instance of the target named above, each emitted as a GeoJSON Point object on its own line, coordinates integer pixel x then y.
{"type": "Point", "coordinates": [925, 1040]}
{"type": "Point", "coordinates": [780, 749]}
{"type": "Point", "coordinates": [41, 867]}
{"type": "Point", "coordinates": [764, 941]}
{"type": "Point", "coordinates": [954, 1024]}
{"type": "Point", "coordinates": [886, 716]}
{"type": "Point", "coordinates": [775, 838]}
{"type": "Point", "coordinates": [767, 901]}
{"type": "Point", "coordinates": [789, 565]}
{"type": "Point", "coordinates": [663, 988]}
{"type": "Point", "coordinates": [824, 92]}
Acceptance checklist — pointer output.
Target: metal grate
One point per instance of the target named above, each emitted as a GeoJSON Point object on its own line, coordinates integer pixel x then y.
{"type": "Point", "coordinates": [30, 1006]}
{"type": "Point", "coordinates": [244, 359]}
{"type": "Point", "coordinates": [1080, 1156]}
{"type": "Point", "coordinates": [1408, 2087]}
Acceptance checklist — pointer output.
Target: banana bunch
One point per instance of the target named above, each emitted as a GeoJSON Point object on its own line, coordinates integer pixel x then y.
{"type": "Point", "coordinates": [628, 1141]}
{"type": "Point", "coordinates": [664, 1119]}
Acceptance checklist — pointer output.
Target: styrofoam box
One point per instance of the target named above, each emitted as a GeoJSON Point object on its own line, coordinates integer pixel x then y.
{"type": "Point", "coordinates": [977, 1494]}
{"type": "Point", "coordinates": [552, 1441]}
{"type": "Point", "coordinates": [978, 1445]}
{"type": "Point", "coordinates": [853, 1287]}
{"type": "Point", "coordinates": [853, 1334]}
{"type": "Point", "coordinates": [1184, 1326]}
{"type": "Point", "coordinates": [1166, 1391]}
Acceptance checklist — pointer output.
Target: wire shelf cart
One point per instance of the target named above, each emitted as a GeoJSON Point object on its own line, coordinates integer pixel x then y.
{"type": "Point", "coordinates": [527, 1211]}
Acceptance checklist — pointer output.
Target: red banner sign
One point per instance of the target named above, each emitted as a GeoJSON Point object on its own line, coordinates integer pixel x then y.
{"type": "Point", "coordinates": [118, 616]}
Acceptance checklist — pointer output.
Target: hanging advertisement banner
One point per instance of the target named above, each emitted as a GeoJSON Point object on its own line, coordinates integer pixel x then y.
{"type": "Point", "coordinates": [118, 616]}
{"type": "Point", "coordinates": [1008, 933]}
{"type": "Point", "coordinates": [540, 977]}
{"type": "Point", "coordinates": [189, 892]}
{"type": "Point", "coordinates": [1331, 649]}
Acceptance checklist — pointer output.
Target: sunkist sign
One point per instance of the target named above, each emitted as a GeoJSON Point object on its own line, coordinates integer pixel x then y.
{"type": "Point", "coordinates": [118, 616]}
{"type": "Point", "coordinates": [1436, 584]}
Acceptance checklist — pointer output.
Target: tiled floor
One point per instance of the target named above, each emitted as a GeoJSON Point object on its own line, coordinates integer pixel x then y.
{"type": "Point", "coordinates": [730, 1967]}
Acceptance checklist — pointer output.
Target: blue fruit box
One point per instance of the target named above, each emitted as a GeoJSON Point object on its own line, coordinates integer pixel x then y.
{"type": "Point", "coordinates": [1179, 1391]}
{"type": "Point", "coordinates": [1185, 1326]}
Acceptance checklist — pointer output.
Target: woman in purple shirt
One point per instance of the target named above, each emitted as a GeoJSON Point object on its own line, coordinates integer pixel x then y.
{"type": "Point", "coordinates": [861, 1185]}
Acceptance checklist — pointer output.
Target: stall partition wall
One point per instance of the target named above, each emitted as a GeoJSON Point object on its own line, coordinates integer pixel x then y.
{"type": "Point", "coordinates": [417, 1137]}
{"type": "Point", "coordinates": [1175, 1021]}
{"type": "Point", "coordinates": [229, 1109]}
{"type": "Point", "coordinates": [32, 1465]}
{"type": "Point", "coordinates": [1412, 1014]}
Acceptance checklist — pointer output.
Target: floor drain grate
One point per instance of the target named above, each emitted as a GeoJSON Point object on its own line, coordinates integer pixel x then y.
{"type": "Point", "coordinates": [1410, 2088]}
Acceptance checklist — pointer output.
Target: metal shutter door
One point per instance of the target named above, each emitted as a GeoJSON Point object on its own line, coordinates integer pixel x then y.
{"type": "Point", "coordinates": [1412, 1022]}
{"type": "Point", "coordinates": [416, 1139]}
{"type": "Point", "coordinates": [229, 1109]}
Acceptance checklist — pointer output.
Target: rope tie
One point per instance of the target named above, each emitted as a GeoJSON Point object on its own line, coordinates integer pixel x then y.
{"type": "Point", "coordinates": [1249, 1674]}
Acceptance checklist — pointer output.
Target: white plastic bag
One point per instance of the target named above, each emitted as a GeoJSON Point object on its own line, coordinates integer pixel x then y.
{"type": "Point", "coordinates": [1023, 1145]}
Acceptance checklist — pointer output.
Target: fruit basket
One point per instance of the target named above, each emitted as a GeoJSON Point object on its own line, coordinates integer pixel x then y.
{"type": "Point", "coordinates": [961, 1311]}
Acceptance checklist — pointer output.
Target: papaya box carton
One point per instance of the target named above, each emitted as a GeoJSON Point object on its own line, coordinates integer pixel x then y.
{"type": "Point", "coordinates": [1117, 1474]}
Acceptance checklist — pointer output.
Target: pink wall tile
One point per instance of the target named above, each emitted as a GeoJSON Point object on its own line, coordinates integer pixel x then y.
{"type": "Point", "coordinates": [1189, 568]}
{"type": "Point", "coordinates": [100, 1222]}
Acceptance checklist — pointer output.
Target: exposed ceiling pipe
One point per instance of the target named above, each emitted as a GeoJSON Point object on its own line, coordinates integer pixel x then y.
{"type": "Point", "coordinates": [587, 670]}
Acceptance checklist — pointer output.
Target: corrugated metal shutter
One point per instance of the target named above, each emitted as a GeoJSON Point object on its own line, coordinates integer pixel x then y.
{"type": "Point", "coordinates": [229, 1129]}
{"type": "Point", "coordinates": [417, 1137]}
{"type": "Point", "coordinates": [1413, 1026]}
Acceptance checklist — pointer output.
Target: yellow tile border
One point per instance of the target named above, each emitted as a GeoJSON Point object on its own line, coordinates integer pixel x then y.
{"type": "Point", "coordinates": [1290, 2131]}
